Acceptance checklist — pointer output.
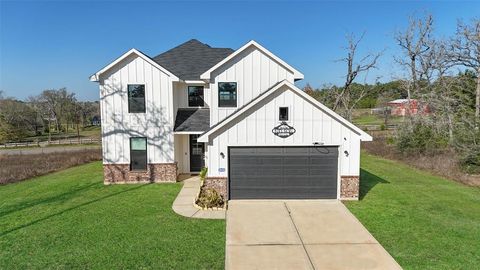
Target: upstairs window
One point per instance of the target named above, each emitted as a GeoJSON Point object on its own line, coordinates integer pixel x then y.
{"type": "Point", "coordinates": [195, 96]}
{"type": "Point", "coordinates": [136, 98]}
{"type": "Point", "coordinates": [283, 114]}
{"type": "Point", "coordinates": [227, 94]}
{"type": "Point", "coordinates": [138, 154]}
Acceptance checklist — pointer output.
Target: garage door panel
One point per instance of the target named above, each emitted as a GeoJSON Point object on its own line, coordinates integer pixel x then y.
{"type": "Point", "coordinates": [275, 193]}
{"type": "Point", "coordinates": [283, 172]}
{"type": "Point", "coordinates": [296, 160]}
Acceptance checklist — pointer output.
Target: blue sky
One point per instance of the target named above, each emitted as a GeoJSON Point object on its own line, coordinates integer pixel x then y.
{"type": "Point", "coordinates": [53, 44]}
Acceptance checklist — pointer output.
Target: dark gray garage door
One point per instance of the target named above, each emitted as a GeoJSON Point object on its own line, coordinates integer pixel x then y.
{"type": "Point", "coordinates": [283, 172]}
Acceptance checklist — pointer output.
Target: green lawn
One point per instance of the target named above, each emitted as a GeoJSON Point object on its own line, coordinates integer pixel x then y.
{"type": "Point", "coordinates": [71, 220]}
{"type": "Point", "coordinates": [424, 221]}
{"type": "Point", "coordinates": [375, 119]}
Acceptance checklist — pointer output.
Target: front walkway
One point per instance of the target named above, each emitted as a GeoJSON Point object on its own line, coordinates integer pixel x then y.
{"type": "Point", "coordinates": [184, 203]}
{"type": "Point", "coordinates": [294, 234]}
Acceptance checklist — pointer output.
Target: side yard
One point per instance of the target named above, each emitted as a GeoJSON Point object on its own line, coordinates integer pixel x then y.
{"type": "Point", "coordinates": [69, 219]}
{"type": "Point", "coordinates": [424, 221]}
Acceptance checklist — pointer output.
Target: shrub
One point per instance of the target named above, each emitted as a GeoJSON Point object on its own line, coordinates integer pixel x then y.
{"type": "Point", "coordinates": [209, 198]}
{"type": "Point", "coordinates": [203, 173]}
{"type": "Point", "coordinates": [419, 136]}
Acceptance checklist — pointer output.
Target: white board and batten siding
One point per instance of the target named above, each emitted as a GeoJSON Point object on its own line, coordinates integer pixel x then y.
{"type": "Point", "coordinates": [254, 128]}
{"type": "Point", "coordinates": [118, 125]}
{"type": "Point", "coordinates": [253, 71]}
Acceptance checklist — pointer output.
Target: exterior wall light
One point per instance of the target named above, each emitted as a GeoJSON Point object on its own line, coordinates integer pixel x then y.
{"type": "Point", "coordinates": [222, 154]}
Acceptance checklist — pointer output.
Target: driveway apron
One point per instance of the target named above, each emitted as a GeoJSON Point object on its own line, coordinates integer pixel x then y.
{"type": "Point", "coordinates": [303, 234]}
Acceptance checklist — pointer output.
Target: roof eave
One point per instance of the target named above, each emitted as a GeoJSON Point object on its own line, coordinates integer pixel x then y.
{"type": "Point", "coordinates": [96, 77]}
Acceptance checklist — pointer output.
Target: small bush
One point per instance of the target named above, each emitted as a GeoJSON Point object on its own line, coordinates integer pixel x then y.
{"type": "Point", "coordinates": [203, 173]}
{"type": "Point", "coordinates": [209, 198]}
{"type": "Point", "coordinates": [470, 160]}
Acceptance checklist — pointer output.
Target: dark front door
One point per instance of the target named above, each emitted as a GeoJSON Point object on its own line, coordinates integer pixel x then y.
{"type": "Point", "coordinates": [197, 153]}
{"type": "Point", "coordinates": [283, 172]}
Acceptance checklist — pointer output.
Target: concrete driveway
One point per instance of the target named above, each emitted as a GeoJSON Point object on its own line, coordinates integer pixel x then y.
{"type": "Point", "coordinates": [300, 235]}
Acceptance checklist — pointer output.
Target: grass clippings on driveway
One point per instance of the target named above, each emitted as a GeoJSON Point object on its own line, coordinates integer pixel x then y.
{"type": "Point", "coordinates": [423, 221]}
{"type": "Point", "coordinates": [70, 220]}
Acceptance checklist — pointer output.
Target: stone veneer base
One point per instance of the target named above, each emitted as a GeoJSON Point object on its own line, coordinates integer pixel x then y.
{"type": "Point", "coordinates": [155, 173]}
{"type": "Point", "coordinates": [349, 187]}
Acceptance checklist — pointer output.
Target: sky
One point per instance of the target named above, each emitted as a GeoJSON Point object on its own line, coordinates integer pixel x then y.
{"type": "Point", "coordinates": [54, 44]}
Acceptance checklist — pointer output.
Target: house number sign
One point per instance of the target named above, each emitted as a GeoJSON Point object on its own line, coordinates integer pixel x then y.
{"type": "Point", "coordinates": [283, 130]}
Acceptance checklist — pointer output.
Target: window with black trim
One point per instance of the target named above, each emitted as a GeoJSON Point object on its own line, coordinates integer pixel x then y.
{"type": "Point", "coordinates": [227, 94]}
{"type": "Point", "coordinates": [195, 96]}
{"type": "Point", "coordinates": [138, 154]}
{"type": "Point", "coordinates": [283, 114]}
{"type": "Point", "coordinates": [136, 98]}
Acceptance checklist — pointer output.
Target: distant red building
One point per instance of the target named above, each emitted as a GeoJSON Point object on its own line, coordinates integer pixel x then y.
{"type": "Point", "coordinates": [400, 107]}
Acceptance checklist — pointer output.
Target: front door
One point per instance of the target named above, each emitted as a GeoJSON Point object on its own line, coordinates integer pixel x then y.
{"type": "Point", "coordinates": [197, 153]}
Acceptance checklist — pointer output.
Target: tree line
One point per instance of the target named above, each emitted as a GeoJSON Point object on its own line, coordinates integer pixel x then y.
{"type": "Point", "coordinates": [53, 111]}
{"type": "Point", "coordinates": [443, 73]}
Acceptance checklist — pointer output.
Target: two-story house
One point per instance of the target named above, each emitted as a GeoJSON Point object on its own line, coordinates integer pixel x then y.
{"type": "Point", "coordinates": [236, 112]}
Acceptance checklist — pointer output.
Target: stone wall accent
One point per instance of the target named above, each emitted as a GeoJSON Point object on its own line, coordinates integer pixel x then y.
{"type": "Point", "coordinates": [217, 183]}
{"type": "Point", "coordinates": [155, 173]}
{"type": "Point", "coordinates": [349, 187]}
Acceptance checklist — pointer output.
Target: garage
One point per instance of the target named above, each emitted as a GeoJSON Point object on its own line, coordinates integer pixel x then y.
{"type": "Point", "coordinates": [286, 172]}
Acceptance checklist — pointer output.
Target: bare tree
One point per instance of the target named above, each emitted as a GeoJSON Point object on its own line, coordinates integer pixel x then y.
{"type": "Point", "coordinates": [415, 41]}
{"type": "Point", "coordinates": [465, 50]}
{"type": "Point", "coordinates": [345, 96]}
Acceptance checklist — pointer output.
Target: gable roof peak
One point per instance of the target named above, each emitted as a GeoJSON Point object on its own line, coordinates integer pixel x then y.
{"type": "Point", "coordinates": [296, 74]}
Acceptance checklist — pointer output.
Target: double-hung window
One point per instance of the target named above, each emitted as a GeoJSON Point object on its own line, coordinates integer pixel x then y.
{"type": "Point", "coordinates": [227, 94]}
{"type": "Point", "coordinates": [136, 98]}
{"type": "Point", "coordinates": [138, 154]}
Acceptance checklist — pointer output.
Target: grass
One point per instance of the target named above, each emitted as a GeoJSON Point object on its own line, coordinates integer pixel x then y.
{"type": "Point", "coordinates": [374, 119]}
{"type": "Point", "coordinates": [69, 219]}
{"type": "Point", "coordinates": [423, 221]}
{"type": "Point", "coordinates": [85, 132]}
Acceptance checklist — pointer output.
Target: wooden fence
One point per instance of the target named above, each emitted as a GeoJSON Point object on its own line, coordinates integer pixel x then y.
{"type": "Point", "coordinates": [71, 141]}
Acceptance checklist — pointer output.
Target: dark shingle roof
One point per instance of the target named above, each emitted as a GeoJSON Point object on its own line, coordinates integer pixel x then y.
{"type": "Point", "coordinates": [191, 119]}
{"type": "Point", "coordinates": [190, 59]}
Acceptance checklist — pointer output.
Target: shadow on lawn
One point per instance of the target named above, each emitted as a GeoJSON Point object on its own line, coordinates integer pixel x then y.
{"type": "Point", "coordinates": [369, 180]}
{"type": "Point", "coordinates": [69, 209]}
{"type": "Point", "coordinates": [53, 199]}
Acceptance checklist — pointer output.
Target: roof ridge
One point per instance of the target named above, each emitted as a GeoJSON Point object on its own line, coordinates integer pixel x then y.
{"type": "Point", "coordinates": [193, 40]}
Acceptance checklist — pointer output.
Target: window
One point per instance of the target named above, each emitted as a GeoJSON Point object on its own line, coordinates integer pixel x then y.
{"type": "Point", "coordinates": [136, 98]}
{"type": "Point", "coordinates": [138, 154]}
{"type": "Point", "coordinates": [283, 114]}
{"type": "Point", "coordinates": [227, 94]}
{"type": "Point", "coordinates": [195, 96]}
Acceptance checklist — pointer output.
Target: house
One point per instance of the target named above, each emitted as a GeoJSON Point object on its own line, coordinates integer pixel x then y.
{"type": "Point", "coordinates": [237, 112]}
{"type": "Point", "coordinates": [400, 107]}
{"type": "Point", "coordinates": [96, 120]}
